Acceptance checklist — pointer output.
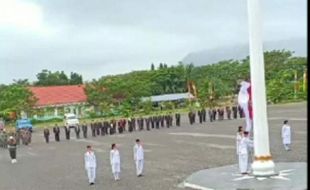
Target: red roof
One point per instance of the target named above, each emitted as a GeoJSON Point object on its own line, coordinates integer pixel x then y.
{"type": "Point", "coordinates": [59, 95]}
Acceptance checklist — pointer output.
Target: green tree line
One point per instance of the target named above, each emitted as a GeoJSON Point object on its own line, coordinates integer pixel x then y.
{"type": "Point", "coordinates": [283, 72]}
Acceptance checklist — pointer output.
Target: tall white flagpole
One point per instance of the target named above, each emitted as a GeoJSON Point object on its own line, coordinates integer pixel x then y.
{"type": "Point", "coordinates": [263, 164]}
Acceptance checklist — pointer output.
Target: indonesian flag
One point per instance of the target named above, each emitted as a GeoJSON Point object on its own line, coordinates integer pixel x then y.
{"type": "Point", "coordinates": [244, 101]}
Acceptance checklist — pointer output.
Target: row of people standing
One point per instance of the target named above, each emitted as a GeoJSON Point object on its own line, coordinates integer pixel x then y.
{"type": "Point", "coordinates": [102, 128]}
{"type": "Point", "coordinates": [215, 114]}
{"type": "Point", "coordinates": [115, 161]}
{"type": "Point", "coordinates": [20, 135]}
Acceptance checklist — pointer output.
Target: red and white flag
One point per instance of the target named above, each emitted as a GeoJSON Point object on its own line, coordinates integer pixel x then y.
{"type": "Point", "coordinates": [244, 101]}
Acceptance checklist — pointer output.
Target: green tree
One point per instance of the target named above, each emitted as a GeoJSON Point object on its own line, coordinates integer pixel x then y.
{"type": "Point", "coordinates": [76, 78]}
{"type": "Point", "coordinates": [15, 98]}
{"type": "Point", "coordinates": [152, 67]}
{"type": "Point", "coordinates": [48, 78]}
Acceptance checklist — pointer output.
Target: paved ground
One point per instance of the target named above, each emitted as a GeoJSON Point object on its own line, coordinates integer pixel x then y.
{"type": "Point", "coordinates": [288, 176]}
{"type": "Point", "coordinates": [171, 155]}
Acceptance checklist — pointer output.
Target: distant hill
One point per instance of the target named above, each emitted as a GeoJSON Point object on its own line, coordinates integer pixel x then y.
{"type": "Point", "coordinates": [237, 52]}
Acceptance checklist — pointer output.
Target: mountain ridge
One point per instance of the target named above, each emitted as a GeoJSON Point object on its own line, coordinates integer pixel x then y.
{"type": "Point", "coordinates": [241, 51]}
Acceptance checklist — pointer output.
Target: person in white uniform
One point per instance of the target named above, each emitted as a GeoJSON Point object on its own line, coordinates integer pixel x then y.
{"type": "Point", "coordinates": [244, 146]}
{"type": "Point", "coordinates": [238, 139]}
{"type": "Point", "coordinates": [115, 162]}
{"type": "Point", "coordinates": [90, 165]}
{"type": "Point", "coordinates": [138, 157]}
{"type": "Point", "coordinates": [286, 135]}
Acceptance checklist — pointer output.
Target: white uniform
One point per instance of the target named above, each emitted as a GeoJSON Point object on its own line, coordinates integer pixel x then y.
{"type": "Point", "coordinates": [90, 165]}
{"type": "Point", "coordinates": [115, 163]}
{"type": "Point", "coordinates": [238, 139]}
{"type": "Point", "coordinates": [286, 136]}
{"type": "Point", "coordinates": [244, 146]}
{"type": "Point", "coordinates": [139, 158]}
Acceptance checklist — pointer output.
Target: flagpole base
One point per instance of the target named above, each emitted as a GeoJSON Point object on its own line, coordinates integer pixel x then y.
{"type": "Point", "coordinates": [263, 168]}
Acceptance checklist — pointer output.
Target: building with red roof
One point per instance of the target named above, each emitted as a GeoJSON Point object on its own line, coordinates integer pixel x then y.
{"type": "Point", "coordinates": [69, 97]}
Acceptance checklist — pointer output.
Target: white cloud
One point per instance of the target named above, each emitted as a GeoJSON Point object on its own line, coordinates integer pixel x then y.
{"type": "Point", "coordinates": [15, 13]}
{"type": "Point", "coordinates": [119, 36]}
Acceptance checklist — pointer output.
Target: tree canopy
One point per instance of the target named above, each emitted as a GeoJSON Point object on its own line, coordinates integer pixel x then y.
{"type": "Point", "coordinates": [215, 80]}
{"type": "Point", "coordinates": [14, 99]}
{"type": "Point", "coordinates": [284, 78]}
{"type": "Point", "coordinates": [48, 78]}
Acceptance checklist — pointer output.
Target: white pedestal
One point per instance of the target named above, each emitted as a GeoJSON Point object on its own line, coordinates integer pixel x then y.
{"type": "Point", "coordinates": [263, 168]}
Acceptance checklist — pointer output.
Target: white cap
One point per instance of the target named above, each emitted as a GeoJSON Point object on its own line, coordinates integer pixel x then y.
{"type": "Point", "coordinates": [11, 137]}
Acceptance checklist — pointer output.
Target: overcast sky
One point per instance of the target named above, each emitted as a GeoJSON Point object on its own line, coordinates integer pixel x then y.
{"type": "Point", "coordinates": [101, 37]}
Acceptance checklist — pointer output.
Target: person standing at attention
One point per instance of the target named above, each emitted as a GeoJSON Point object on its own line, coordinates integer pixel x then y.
{"type": "Point", "coordinates": [238, 139]}
{"type": "Point", "coordinates": [12, 149]}
{"type": "Point", "coordinates": [56, 131]}
{"type": "Point", "coordinates": [90, 165]}
{"type": "Point", "coordinates": [244, 146]}
{"type": "Point", "coordinates": [115, 162]}
{"type": "Point", "coordinates": [286, 135]}
{"type": "Point", "coordinates": [46, 133]}
{"type": "Point", "coordinates": [138, 157]}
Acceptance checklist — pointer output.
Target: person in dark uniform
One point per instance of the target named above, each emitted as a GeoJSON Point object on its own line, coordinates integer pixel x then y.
{"type": "Point", "coordinates": [222, 113]}
{"type": "Point", "coordinates": [204, 114]}
{"type": "Point", "coordinates": [240, 112]}
{"type": "Point", "coordinates": [97, 128]}
{"type": "Point", "coordinates": [56, 131]}
{"type": "Point", "coordinates": [93, 129]}
{"type": "Point", "coordinates": [214, 114]}
{"type": "Point", "coordinates": [124, 124]}
{"type": "Point", "coordinates": [194, 116]}
{"type": "Point", "coordinates": [170, 120]}
{"type": "Point", "coordinates": [67, 132]}
{"type": "Point", "coordinates": [235, 111]}
{"type": "Point", "coordinates": [162, 121]}
{"type": "Point", "coordinates": [190, 117]}
{"type": "Point", "coordinates": [166, 117]}
{"type": "Point", "coordinates": [200, 116]}
{"type": "Point", "coordinates": [106, 127]}
{"type": "Point", "coordinates": [219, 114]}
{"type": "Point", "coordinates": [77, 131]}
{"type": "Point", "coordinates": [130, 128]}
{"type": "Point", "coordinates": [46, 133]}
{"type": "Point", "coordinates": [157, 120]}
{"type": "Point", "coordinates": [210, 115]}
{"type": "Point", "coordinates": [177, 119]}
{"type": "Point", "coordinates": [152, 122]}
{"type": "Point", "coordinates": [120, 127]}
{"type": "Point", "coordinates": [18, 136]}
{"type": "Point", "coordinates": [147, 123]}
{"type": "Point", "coordinates": [134, 124]}
{"type": "Point", "coordinates": [102, 129]}
{"type": "Point", "coordinates": [114, 126]}
{"type": "Point", "coordinates": [29, 135]}
{"type": "Point", "coordinates": [111, 132]}
{"type": "Point", "coordinates": [84, 129]}
{"type": "Point", "coordinates": [140, 123]}
{"type": "Point", "coordinates": [228, 112]}
{"type": "Point", "coordinates": [22, 136]}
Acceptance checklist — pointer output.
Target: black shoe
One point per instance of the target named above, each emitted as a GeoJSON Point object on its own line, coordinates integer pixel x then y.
{"type": "Point", "coordinates": [91, 183]}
